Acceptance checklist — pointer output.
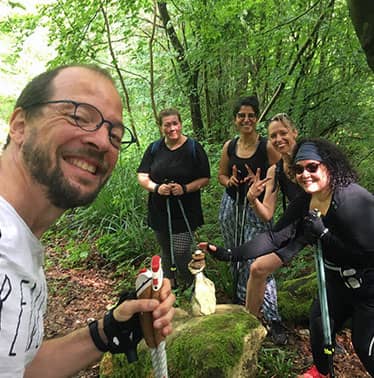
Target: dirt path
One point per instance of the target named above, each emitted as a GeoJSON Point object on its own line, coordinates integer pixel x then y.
{"type": "Point", "coordinates": [76, 296]}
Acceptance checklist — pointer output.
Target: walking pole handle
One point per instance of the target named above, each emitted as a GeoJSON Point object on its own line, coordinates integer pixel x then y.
{"type": "Point", "coordinates": [144, 291]}
{"type": "Point", "coordinates": [148, 285]}
{"type": "Point", "coordinates": [157, 280]}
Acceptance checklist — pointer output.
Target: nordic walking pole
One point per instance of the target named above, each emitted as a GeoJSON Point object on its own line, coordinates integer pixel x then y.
{"type": "Point", "coordinates": [173, 267]}
{"type": "Point", "coordinates": [187, 223]}
{"type": "Point", "coordinates": [236, 217]}
{"type": "Point", "coordinates": [244, 212]}
{"type": "Point", "coordinates": [237, 264]}
{"type": "Point", "coordinates": [148, 285]}
{"type": "Point", "coordinates": [322, 294]}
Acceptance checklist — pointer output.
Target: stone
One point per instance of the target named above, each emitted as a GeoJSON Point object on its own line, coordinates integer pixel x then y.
{"type": "Point", "coordinates": [223, 345]}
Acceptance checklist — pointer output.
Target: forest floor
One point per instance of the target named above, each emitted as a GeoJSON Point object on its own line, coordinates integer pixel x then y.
{"type": "Point", "coordinates": [78, 295]}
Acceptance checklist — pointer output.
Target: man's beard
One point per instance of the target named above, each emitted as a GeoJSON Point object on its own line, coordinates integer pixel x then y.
{"type": "Point", "coordinates": [59, 191]}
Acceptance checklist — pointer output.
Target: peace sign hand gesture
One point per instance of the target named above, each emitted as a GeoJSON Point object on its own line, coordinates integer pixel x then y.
{"type": "Point", "coordinates": [250, 175]}
{"type": "Point", "coordinates": [257, 187]}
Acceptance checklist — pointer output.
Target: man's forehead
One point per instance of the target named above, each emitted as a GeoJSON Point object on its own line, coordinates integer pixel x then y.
{"type": "Point", "coordinates": [76, 78]}
{"type": "Point", "coordinates": [86, 85]}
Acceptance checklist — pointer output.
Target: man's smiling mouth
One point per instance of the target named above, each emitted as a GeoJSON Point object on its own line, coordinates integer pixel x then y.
{"type": "Point", "coordinates": [82, 164]}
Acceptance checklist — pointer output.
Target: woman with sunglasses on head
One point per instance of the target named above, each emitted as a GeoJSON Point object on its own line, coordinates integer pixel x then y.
{"type": "Point", "coordinates": [345, 231]}
{"type": "Point", "coordinates": [241, 156]}
{"type": "Point", "coordinates": [282, 134]}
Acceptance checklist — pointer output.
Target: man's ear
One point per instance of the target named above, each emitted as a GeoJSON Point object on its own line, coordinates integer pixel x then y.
{"type": "Point", "coordinates": [17, 125]}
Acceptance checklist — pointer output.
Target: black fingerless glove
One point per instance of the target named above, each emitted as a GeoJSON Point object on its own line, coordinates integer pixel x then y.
{"type": "Point", "coordinates": [314, 227]}
{"type": "Point", "coordinates": [123, 337]}
{"type": "Point", "coordinates": [221, 253]}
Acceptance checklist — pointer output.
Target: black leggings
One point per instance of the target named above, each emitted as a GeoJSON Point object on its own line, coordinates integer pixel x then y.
{"type": "Point", "coordinates": [182, 244]}
{"type": "Point", "coordinates": [344, 304]}
{"type": "Point", "coordinates": [284, 242]}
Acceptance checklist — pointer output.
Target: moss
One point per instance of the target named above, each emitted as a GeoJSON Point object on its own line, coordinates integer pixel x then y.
{"type": "Point", "coordinates": [118, 367]}
{"type": "Point", "coordinates": [221, 350]}
{"type": "Point", "coordinates": [295, 298]}
{"type": "Point", "coordinates": [206, 347]}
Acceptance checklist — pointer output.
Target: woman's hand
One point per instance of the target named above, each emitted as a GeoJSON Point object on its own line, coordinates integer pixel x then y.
{"type": "Point", "coordinates": [176, 189]}
{"type": "Point", "coordinates": [250, 175]}
{"type": "Point", "coordinates": [257, 187]}
{"type": "Point", "coordinates": [207, 247]}
{"type": "Point", "coordinates": [217, 252]}
{"type": "Point", "coordinates": [164, 190]}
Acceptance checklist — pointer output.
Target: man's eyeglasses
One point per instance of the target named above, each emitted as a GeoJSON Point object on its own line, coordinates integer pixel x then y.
{"type": "Point", "coordinates": [311, 168]}
{"type": "Point", "coordinates": [88, 118]}
{"type": "Point", "coordinates": [243, 116]}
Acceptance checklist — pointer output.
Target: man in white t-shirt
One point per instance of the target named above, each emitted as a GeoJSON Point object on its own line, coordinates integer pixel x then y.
{"type": "Point", "coordinates": [65, 135]}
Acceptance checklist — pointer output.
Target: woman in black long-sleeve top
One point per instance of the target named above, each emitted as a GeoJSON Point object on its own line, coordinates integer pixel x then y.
{"type": "Point", "coordinates": [346, 233]}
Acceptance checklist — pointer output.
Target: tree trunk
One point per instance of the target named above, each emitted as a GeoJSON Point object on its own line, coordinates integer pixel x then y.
{"type": "Point", "coordinates": [191, 76]}
{"type": "Point", "coordinates": [362, 15]}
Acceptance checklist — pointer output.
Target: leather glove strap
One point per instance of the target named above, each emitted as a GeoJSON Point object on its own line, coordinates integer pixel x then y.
{"type": "Point", "coordinates": [94, 332]}
{"type": "Point", "coordinates": [123, 337]}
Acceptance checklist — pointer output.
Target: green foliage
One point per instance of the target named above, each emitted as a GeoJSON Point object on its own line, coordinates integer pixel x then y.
{"type": "Point", "coordinates": [78, 252]}
{"type": "Point", "coordinates": [307, 51]}
{"type": "Point", "coordinates": [7, 104]}
{"type": "Point", "coordinates": [275, 362]}
{"type": "Point", "coordinates": [17, 28]}
{"type": "Point", "coordinates": [295, 297]}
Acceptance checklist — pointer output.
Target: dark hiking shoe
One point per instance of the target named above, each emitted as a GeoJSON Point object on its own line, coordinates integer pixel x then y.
{"type": "Point", "coordinates": [278, 333]}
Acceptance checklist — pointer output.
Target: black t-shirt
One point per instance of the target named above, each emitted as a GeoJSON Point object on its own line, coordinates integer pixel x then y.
{"type": "Point", "coordinates": [289, 188]}
{"type": "Point", "coordinates": [182, 165]}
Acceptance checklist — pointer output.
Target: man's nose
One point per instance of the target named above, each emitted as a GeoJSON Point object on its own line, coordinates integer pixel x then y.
{"type": "Point", "coordinates": [99, 138]}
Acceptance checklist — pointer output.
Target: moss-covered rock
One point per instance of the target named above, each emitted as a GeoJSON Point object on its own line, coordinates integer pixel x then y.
{"type": "Point", "coordinates": [295, 298]}
{"type": "Point", "coordinates": [221, 345]}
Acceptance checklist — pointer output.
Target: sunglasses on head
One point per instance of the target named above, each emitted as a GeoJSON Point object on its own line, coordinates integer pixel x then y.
{"type": "Point", "coordinates": [311, 168]}
{"type": "Point", "coordinates": [280, 117]}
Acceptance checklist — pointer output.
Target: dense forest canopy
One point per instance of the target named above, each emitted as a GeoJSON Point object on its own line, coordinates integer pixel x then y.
{"type": "Point", "coordinates": [300, 57]}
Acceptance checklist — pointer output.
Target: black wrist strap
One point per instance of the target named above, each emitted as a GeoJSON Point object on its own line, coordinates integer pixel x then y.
{"type": "Point", "coordinates": [184, 187]}
{"type": "Point", "coordinates": [97, 340]}
{"type": "Point", "coordinates": [155, 190]}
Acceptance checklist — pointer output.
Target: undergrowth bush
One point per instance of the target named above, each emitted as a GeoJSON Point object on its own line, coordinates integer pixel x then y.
{"type": "Point", "coordinates": [115, 225]}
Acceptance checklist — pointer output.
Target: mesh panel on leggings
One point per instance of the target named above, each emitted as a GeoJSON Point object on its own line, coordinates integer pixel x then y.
{"type": "Point", "coordinates": [182, 244]}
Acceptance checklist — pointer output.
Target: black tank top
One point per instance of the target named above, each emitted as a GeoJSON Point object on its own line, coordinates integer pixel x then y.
{"type": "Point", "coordinates": [258, 160]}
{"type": "Point", "coordinates": [289, 189]}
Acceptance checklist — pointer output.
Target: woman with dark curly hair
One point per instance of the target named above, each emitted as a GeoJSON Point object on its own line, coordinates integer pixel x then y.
{"type": "Point", "coordinates": [345, 229]}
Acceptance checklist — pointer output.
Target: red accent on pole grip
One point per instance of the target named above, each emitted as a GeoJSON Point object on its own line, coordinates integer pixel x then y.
{"type": "Point", "coordinates": [156, 263]}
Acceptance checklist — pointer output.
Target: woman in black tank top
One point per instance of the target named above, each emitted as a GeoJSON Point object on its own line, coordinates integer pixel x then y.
{"type": "Point", "coordinates": [241, 156]}
{"type": "Point", "coordinates": [282, 134]}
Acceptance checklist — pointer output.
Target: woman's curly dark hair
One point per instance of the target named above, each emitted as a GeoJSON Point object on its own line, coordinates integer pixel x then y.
{"type": "Point", "coordinates": [341, 172]}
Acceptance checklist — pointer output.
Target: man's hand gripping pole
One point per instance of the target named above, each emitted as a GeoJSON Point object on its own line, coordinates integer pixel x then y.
{"type": "Point", "coordinates": [148, 285]}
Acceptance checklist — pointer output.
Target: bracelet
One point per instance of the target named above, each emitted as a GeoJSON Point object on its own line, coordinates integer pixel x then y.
{"type": "Point", "coordinates": [155, 190]}
{"type": "Point", "coordinates": [96, 338]}
{"type": "Point", "coordinates": [252, 204]}
{"type": "Point", "coordinates": [184, 187]}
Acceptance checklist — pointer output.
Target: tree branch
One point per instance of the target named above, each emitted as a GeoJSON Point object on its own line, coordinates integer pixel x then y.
{"type": "Point", "coordinates": [296, 60]}
{"type": "Point", "coordinates": [116, 66]}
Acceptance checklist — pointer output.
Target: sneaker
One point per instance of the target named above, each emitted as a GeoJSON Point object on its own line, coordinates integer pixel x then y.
{"type": "Point", "coordinates": [278, 333]}
{"type": "Point", "coordinates": [313, 373]}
